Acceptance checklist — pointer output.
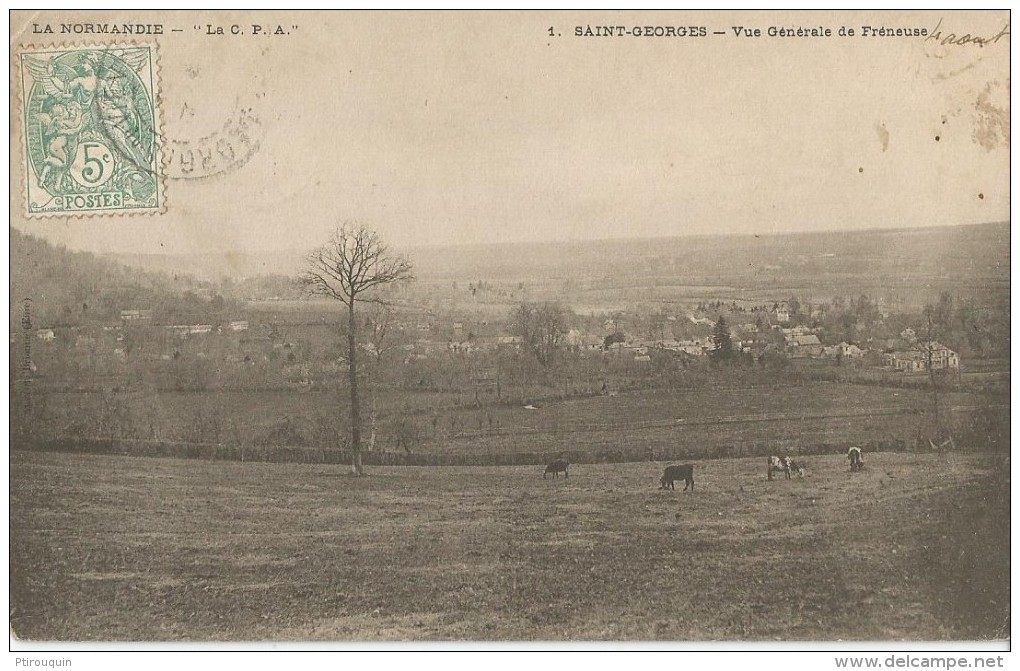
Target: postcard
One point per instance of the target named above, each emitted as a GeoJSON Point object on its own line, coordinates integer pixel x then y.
{"type": "Point", "coordinates": [685, 328]}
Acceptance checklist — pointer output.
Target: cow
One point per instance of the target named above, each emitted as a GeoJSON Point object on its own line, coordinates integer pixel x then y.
{"type": "Point", "coordinates": [684, 472]}
{"type": "Point", "coordinates": [556, 467]}
{"type": "Point", "coordinates": [784, 464]}
{"type": "Point", "coordinates": [856, 459]}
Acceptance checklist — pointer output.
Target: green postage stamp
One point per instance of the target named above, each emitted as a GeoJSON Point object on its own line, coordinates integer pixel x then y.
{"type": "Point", "coordinates": [90, 118]}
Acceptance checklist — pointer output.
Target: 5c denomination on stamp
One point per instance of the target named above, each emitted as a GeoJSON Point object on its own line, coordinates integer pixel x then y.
{"type": "Point", "coordinates": [91, 124]}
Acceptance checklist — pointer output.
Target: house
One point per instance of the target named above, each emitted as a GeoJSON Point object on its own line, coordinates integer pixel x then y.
{"type": "Point", "coordinates": [942, 358]}
{"type": "Point", "coordinates": [798, 346]}
{"type": "Point", "coordinates": [910, 361]}
{"type": "Point", "coordinates": [696, 347]}
{"type": "Point", "coordinates": [844, 350]}
{"type": "Point", "coordinates": [239, 325]}
{"type": "Point", "coordinates": [770, 350]}
{"type": "Point", "coordinates": [582, 342]}
{"type": "Point", "coordinates": [46, 335]}
{"type": "Point", "coordinates": [463, 347]}
{"type": "Point", "coordinates": [797, 331]}
{"type": "Point", "coordinates": [850, 351]}
{"type": "Point", "coordinates": [669, 344]}
{"type": "Point", "coordinates": [184, 330]}
{"type": "Point", "coordinates": [427, 347]}
{"type": "Point", "coordinates": [295, 372]}
{"type": "Point", "coordinates": [916, 360]}
{"type": "Point", "coordinates": [136, 316]}
{"type": "Point", "coordinates": [782, 315]}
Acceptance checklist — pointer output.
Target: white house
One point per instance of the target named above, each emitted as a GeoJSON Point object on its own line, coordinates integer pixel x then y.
{"type": "Point", "coordinates": [701, 321]}
{"type": "Point", "coordinates": [135, 316]}
{"type": "Point", "coordinates": [697, 347]}
{"type": "Point", "coordinates": [844, 350]}
{"type": "Point", "coordinates": [942, 357]}
{"type": "Point", "coordinates": [850, 351]}
{"type": "Point", "coordinates": [916, 360]}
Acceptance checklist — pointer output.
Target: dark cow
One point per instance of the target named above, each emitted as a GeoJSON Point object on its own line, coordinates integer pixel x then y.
{"type": "Point", "coordinates": [856, 459]}
{"type": "Point", "coordinates": [785, 465]}
{"type": "Point", "coordinates": [684, 472]}
{"type": "Point", "coordinates": [556, 467]}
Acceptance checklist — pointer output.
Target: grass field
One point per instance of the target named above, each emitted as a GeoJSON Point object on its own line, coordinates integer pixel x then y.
{"type": "Point", "coordinates": [635, 422]}
{"type": "Point", "coordinates": [117, 548]}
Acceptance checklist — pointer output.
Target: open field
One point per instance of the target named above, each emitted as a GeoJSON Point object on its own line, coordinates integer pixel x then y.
{"type": "Point", "coordinates": [117, 548]}
{"type": "Point", "coordinates": [639, 423]}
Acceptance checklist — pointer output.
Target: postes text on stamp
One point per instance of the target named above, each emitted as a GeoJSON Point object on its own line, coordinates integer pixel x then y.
{"type": "Point", "coordinates": [91, 130]}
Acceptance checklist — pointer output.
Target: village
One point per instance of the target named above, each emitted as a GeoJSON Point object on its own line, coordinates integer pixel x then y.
{"type": "Point", "coordinates": [304, 347]}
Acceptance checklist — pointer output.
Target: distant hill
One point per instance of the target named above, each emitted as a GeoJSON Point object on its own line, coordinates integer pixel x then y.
{"type": "Point", "coordinates": [974, 257]}
{"type": "Point", "coordinates": [960, 252]}
{"type": "Point", "coordinates": [70, 288]}
{"type": "Point", "coordinates": [910, 266]}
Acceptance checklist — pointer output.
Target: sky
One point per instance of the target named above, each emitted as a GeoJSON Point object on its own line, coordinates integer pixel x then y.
{"type": "Point", "coordinates": [451, 128]}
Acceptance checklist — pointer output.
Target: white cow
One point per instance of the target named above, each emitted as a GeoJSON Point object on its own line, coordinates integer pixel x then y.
{"type": "Point", "coordinates": [784, 464]}
{"type": "Point", "coordinates": [856, 459]}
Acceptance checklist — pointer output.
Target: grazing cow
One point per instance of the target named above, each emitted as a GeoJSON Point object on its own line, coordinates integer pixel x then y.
{"type": "Point", "coordinates": [684, 472]}
{"type": "Point", "coordinates": [784, 464]}
{"type": "Point", "coordinates": [556, 467]}
{"type": "Point", "coordinates": [856, 459]}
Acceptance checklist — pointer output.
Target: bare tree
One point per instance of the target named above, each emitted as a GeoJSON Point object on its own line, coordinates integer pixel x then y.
{"type": "Point", "coordinates": [943, 435]}
{"type": "Point", "coordinates": [351, 268]}
{"type": "Point", "coordinates": [378, 325]}
{"type": "Point", "coordinates": [540, 328]}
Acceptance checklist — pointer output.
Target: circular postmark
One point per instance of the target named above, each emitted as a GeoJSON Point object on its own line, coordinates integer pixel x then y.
{"type": "Point", "coordinates": [220, 152]}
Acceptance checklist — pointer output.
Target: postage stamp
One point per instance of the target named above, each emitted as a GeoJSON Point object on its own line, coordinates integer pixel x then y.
{"type": "Point", "coordinates": [91, 123]}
